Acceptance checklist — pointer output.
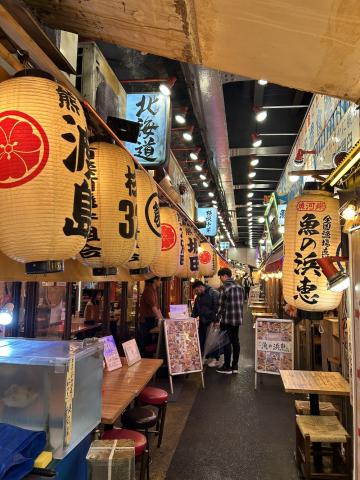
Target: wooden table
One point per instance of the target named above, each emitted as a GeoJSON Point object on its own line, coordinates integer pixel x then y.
{"type": "Point", "coordinates": [315, 384]}
{"type": "Point", "coordinates": [121, 386]}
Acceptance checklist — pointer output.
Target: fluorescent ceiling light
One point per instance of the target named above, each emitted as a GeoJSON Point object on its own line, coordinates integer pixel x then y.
{"type": "Point", "coordinates": [180, 119]}
{"type": "Point", "coordinates": [261, 116]}
{"type": "Point", "coordinates": [198, 168]}
{"type": "Point", "coordinates": [254, 162]}
{"type": "Point", "coordinates": [252, 174]}
{"type": "Point", "coordinates": [193, 156]}
{"type": "Point", "coordinates": [187, 136]}
{"type": "Point", "coordinates": [164, 89]}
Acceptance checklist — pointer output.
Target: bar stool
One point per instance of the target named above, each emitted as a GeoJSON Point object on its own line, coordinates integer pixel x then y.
{"type": "Point", "coordinates": [156, 397]}
{"type": "Point", "coordinates": [302, 407]}
{"type": "Point", "coordinates": [140, 418]}
{"type": "Point", "coordinates": [330, 434]}
{"type": "Point", "coordinates": [141, 447]}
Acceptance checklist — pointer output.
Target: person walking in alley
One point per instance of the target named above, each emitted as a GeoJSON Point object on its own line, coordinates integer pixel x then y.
{"type": "Point", "coordinates": [205, 308]}
{"type": "Point", "coordinates": [230, 316]}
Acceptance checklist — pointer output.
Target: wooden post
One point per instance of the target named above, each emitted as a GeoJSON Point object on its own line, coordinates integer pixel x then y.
{"type": "Point", "coordinates": [16, 299]}
{"type": "Point", "coordinates": [124, 310]}
{"type": "Point", "coordinates": [68, 312]}
{"type": "Point", "coordinates": [31, 302]}
{"type": "Point", "coordinates": [106, 310]}
{"type": "Point", "coordinates": [166, 298]}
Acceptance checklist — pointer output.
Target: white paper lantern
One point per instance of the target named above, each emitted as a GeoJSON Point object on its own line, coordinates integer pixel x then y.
{"type": "Point", "coordinates": [312, 230]}
{"type": "Point", "coordinates": [191, 255]}
{"type": "Point", "coordinates": [45, 197]}
{"type": "Point", "coordinates": [112, 237]}
{"type": "Point", "coordinates": [207, 260]}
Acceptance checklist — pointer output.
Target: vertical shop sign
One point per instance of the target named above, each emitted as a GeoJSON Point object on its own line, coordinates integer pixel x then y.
{"type": "Point", "coordinates": [152, 112]}
{"type": "Point", "coordinates": [210, 216]}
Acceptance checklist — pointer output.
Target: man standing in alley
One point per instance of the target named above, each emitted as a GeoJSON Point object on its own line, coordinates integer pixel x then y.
{"type": "Point", "coordinates": [230, 316]}
{"type": "Point", "coordinates": [205, 308]}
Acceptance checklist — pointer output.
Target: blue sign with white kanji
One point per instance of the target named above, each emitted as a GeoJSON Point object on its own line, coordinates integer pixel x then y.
{"type": "Point", "coordinates": [151, 111]}
{"type": "Point", "coordinates": [210, 217]}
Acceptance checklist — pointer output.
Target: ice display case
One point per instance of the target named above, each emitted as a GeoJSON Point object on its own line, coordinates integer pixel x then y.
{"type": "Point", "coordinates": [54, 386]}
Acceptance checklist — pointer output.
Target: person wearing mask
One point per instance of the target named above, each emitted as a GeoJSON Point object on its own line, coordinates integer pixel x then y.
{"type": "Point", "coordinates": [150, 313]}
{"type": "Point", "coordinates": [230, 316]}
{"type": "Point", "coordinates": [205, 308]}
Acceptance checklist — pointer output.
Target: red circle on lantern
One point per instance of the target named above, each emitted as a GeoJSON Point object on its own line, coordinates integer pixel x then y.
{"type": "Point", "coordinates": [168, 236]}
{"type": "Point", "coordinates": [24, 148]}
{"type": "Point", "coordinates": [205, 257]}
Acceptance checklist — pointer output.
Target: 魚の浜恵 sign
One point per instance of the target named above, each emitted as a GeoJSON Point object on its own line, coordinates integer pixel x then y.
{"type": "Point", "coordinates": [274, 345]}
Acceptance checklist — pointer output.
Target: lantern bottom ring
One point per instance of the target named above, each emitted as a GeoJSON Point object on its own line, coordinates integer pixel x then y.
{"type": "Point", "coordinates": [104, 272]}
{"type": "Point", "coordinates": [140, 271]}
{"type": "Point", "coordinates": [45, 266]}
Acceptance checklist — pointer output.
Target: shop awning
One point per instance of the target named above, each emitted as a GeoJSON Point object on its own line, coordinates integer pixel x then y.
{"type": "Point", "coordinates": [274, 262]}
{"type": "Point", "coordinates": [310, 45]}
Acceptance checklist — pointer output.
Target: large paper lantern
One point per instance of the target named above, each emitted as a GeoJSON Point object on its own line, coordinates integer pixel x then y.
{"type": "Point", "coordinates": [45, 197]}
{"type": "Point", "coordinates": [191, 254]}
{"type": "Point", "coordinates": [207, 260]}
{"type": "Point", "coordinates": [312, 230]}
{"type": "Point", "coordinates": [112, 237]}
{"type": "Point", "coordinates": [168, 262]}
{"type": "Point", "coordinates": [148, 238]}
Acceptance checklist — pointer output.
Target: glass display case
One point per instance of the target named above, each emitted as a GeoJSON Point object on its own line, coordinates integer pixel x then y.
{"type": "Point", "coordinates": [54, 386]}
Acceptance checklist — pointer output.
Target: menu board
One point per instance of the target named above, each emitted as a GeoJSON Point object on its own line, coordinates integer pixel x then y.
{"type": "Point", "coordinates": [111, 354]}
{"type": "Point", "coordinates": [274, 345]}
{"type": "Point", "coordinates": [131, 351]}
{"type": "Point", "coordinates": [182, 346]}
{"type": "Point", "coordinates": [179, 311]}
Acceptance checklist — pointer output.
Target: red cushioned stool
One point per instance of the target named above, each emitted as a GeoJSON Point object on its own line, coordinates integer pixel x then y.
{"type": "Point", "coordinates": [151, 349]}
{"type": "Point", "coordinates": [157, 397]}
{"type": "Point", "coordinates": [141, 447]}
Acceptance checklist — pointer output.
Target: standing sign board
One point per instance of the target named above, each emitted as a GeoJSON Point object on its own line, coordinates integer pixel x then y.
{"type": "Point", "coordinates": [254, 295]}
{"type": "Point", "coordinates": [152, 112]}
{"type": "Point", "coordinates": [274, 346]}
{"type": "Point", "coordinates": [111, 355]}
{"type": "Point", "coordinates": [183, 348]}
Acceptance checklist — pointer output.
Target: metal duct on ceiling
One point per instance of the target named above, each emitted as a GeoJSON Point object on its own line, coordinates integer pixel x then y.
{"type": "Point", "coordinates": [206, 92]}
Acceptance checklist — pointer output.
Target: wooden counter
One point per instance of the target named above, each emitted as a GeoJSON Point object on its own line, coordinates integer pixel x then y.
{"type": "Point", "coordinates": [121, 386]}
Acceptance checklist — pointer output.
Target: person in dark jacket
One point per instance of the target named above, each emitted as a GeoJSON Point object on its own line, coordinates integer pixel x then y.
{"type": "Point", "coordinates": [205, 308]}
{"type": "Point", "coordinates": [230, 316]}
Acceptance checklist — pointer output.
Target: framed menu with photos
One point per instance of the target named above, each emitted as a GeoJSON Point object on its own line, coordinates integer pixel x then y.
{"type": "Point", "coordinates": [183, 347]}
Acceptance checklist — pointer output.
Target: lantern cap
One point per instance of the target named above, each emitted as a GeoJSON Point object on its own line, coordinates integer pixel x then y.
{"type": "Point", "coordinates": [34, 72]}
{"type": "Point", "coordinates": [104, 272]}
{"type": "Point", "coordinates": [46, 266]}
{"type": "Point", "coordinates": [317, 186]}
{"type": "Point", "coordinates": [101, 137]}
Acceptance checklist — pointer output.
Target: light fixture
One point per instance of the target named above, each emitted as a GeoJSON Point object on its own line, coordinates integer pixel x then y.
{"type": "Point", "coordinates": [249, 209]}
{"type": "Point", "coordinates": [261, 219]}
{"type": "Point", "coordinates": [249, 214]}
{"type": "Point", "coordinates": [187, 136]}
{"type": "Point", "coordinates": [214, 202]}
{"type": "Point", "coordinates": [202, 177]}
{"type": "Point", "coordinates": [293, 178]}
{"type": "Point", "coordinates": [193, 156]}
{"type": "Point", "coordinates": [6, 314]}
{"type": "Point", "coordinates": [249, 203]}
{"type": "Point", "coordinates": [164, 89]}
{"type": "Point", "coordinates": [337, 280]}
{"type": "Point", "coordinates": [282, 229]}
{"type": "Point", "coordinates": [256, 140]}
{"type": "Point", "coordinates": [211, 194]}
{"type": "Point", "coordinates": [252, 174]}
{"type": "Point", "coordinates": [180, 119]}
{"type": "Point", "coordinates": [198, 168]}
{"type": "Point", "coordinates": [250, 194]}
{"type": "Point", "coordinates": [251, 185]}
{"type": "Point", "coordinates": [205, 184]}
{"type": "Point", "coordinates": [254, 162]}
{"type": "Point", "coordinates": [349, 213]}
{"type": "Point", "coordinates": [262, 82]}
{"type": "Point", "coordinates": [261, 115]}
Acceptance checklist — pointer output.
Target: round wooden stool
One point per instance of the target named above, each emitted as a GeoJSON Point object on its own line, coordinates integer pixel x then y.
{"type": "Point", "coordinates": [156, 397]}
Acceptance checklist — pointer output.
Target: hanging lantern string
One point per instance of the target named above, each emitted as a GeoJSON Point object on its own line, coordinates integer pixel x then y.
{"type": "Point", "coordinates": [186, 218]}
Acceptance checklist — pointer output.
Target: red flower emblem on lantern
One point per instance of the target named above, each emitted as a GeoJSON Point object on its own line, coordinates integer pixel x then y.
{"type": "Point", "coordinates": [24, 148]}
{"type": "Point", "coordinates": [168, 236]}
{"type": "Point", "coordinates": [205, 257]}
